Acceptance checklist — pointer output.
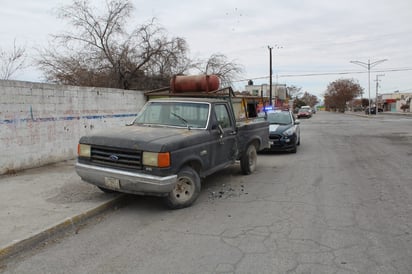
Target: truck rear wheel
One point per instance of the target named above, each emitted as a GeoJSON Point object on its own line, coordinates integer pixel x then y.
{"type": "Point", "coordinates": [186, 191]}
{"type": "Point", "coordinates": [249, 160]}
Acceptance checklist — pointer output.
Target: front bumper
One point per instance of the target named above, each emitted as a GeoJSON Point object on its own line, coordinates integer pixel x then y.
{"type": "Point", "coordinates": [282, 143]}
{"type": "Point", "coordinates": [127, 182]}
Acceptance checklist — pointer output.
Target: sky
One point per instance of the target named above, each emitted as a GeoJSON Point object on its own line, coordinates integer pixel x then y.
{"type": "Point", "coordinates": [313, 42]}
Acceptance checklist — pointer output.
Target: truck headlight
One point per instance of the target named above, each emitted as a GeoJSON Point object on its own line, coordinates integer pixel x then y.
{"type": "Point", "coordinates": [84, 150]}
{"type": "Point", "coordinates": [156, 159]}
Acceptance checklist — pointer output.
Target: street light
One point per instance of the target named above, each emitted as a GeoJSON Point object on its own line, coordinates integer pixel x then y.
{"type": "Point", "coordinates": [368, 66]}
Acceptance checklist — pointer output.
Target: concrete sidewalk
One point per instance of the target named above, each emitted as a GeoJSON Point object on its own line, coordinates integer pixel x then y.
{"type": "Point", "coordinates": [37, 203]}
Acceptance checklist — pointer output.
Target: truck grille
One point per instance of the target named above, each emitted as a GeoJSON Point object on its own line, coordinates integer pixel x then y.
{"type": "Point", "coordinates": [115, 157]}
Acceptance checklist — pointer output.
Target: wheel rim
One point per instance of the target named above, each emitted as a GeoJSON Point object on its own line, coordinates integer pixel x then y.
{"type": "Point", "coordinates": [184, 189]}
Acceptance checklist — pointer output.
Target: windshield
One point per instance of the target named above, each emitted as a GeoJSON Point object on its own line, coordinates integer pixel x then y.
{"type": "Point", "coordinates": [280, 118]}
{"type": "Point", "coordinates": [177, 114]}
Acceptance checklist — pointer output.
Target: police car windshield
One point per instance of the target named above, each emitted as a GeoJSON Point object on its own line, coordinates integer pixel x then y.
{"type": "Point", "coordinates": [280, 118]}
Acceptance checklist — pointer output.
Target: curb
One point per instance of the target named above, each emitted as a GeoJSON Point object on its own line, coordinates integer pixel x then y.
{"type": "Point", "coordinates": [381, 114]}
{"type": "Point", "coordinates": [67, 224]}
{"type": "Point", "coordinates": [372, 116]}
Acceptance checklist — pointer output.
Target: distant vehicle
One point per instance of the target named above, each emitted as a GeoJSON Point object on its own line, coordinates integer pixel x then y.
{"type": "Point", "coordinates": [372, 110]}
{"type": "Point", "coordinates": [304, 113]}
{"type": "Point", "coordinates": [284, 131]}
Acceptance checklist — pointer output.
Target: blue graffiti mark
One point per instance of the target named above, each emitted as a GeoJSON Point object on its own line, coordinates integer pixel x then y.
{"type": "Point", "coordinates": [66, 118]}
{"type": "Point", "coordinates": [31, 112]}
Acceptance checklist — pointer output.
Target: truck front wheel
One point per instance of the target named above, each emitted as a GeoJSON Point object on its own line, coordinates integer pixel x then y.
{"type": "Point", "coordinates": [249, 160]}
{"type": "Point", "coordinates": [186, 190]}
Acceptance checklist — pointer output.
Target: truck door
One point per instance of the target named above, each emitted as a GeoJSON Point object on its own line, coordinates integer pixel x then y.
{"type": "Point", "coordinates": [225, 149]}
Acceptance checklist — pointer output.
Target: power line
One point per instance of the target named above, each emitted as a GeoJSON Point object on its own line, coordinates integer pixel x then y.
{"type": "Point", "coordinates": [325, 74]}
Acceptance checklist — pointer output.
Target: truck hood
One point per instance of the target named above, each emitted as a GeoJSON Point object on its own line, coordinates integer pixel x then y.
{"type": "Point", "coordinates": [146, 138]}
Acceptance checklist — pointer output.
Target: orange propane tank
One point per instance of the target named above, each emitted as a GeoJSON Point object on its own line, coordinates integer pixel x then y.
{"type": "Point", "coordinates": [194, 83]}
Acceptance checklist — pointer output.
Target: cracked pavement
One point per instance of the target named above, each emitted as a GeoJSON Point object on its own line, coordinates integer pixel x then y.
{"type": "Point", "coordinates": [342, 204]}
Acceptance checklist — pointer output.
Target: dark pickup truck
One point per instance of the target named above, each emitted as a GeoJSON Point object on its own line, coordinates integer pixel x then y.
{"type": "Point", "coordinates": [169, 147]}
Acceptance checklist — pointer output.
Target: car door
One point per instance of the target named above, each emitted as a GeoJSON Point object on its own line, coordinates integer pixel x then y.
{"type": "Point", "coordinates": [224, 144]}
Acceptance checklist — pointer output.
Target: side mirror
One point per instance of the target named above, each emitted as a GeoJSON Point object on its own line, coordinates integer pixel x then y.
{"type": "Point", "coordinates": [217, 126]}
{"type": "Point", "coordinates": [297, 122]}
{"type": "Point", "coordinates": [220, 131]}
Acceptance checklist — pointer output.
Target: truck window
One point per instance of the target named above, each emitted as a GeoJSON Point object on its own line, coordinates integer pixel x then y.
{"type": "Point", "coordinates": [222, 116]}
{"type": "Point", "coordinates": [150, 115]}
{"type": "Point", "coordinates": [177, 114]}
{"type": "Point", "coordinates": [195, 114]}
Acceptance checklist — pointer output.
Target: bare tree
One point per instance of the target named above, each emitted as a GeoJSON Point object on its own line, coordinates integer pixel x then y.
{"type": "Point", "coordinates": [12, 61]}
{"type": "Point", "coordinates": [100, 52]}
{"type": "Point", "coordinates": [171, 60]}
{"type": "Point", "coordinates": [219, 65]}
{"type": "Point", "coordinates": [309, 99]}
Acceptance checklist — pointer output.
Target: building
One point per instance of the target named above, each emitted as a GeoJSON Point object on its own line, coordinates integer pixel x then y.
{"type": "Point", "coordinates": [393, 102]}
{"type": "Point", "coordinates": [279, 92]}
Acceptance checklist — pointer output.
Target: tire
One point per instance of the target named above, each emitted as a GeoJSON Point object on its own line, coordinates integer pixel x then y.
{"type": "Point", "coordinates": [249, 160]}
{"type": "Point", "coordinates": [106, 190]}
{"type": "Point", "coordinates": [186, 190]}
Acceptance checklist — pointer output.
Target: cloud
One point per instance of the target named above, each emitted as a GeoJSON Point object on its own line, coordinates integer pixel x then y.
{"type": "Point", "coordinates": [316, 36]}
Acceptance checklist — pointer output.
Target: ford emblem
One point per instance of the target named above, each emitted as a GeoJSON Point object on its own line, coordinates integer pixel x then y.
{"type": "Point", "coordinates": [113, 157]}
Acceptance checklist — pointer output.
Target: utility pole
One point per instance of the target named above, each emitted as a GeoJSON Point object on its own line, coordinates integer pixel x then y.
{"type": "Point", "coordinates": [270, 73]}
{"type": "Point", "coordinates": [377, 86]}
{"type": "Point", "coordinates": [368, 66]}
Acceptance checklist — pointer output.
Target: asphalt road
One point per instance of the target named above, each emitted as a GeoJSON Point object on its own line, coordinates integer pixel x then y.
{"type": "Point", "coordinates": [341, 204]}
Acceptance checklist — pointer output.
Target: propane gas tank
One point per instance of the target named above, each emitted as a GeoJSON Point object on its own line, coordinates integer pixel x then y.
{"type": "Point", "coordinates": [194, 83]}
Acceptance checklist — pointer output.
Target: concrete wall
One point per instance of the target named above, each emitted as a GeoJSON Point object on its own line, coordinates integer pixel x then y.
{"type": "Point", "coordinates": [42, 123]}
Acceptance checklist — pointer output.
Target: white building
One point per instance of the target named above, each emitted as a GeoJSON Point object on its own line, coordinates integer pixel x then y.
{"type": "Point", "coordinates": [393, 101]}
{"type": "Point", "coordinates": [279, 91]}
